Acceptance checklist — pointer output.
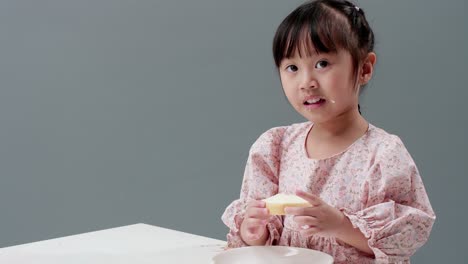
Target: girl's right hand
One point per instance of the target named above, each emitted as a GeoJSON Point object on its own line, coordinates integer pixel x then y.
{"type": "Point", "coordinates": [253, 228]}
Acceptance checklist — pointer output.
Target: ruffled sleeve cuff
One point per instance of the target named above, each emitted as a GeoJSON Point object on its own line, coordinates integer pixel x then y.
{"type": "Point", "coordinates": [370, 221]}
{"type": "Point", "coordinates": [394, 231]}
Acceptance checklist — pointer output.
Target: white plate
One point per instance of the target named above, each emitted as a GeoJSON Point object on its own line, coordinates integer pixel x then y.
{"type": "Point", "coordinates": [271, 255]}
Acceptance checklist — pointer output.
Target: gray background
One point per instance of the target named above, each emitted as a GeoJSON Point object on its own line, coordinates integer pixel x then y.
{"type": "Point", "coordinates": [118, 112]}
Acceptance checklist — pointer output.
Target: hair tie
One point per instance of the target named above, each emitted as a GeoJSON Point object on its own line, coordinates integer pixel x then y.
{"type": "Point", "coordinates": [357, 8]}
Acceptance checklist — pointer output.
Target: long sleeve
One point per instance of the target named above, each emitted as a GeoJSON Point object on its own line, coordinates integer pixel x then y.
{"type": "Point", "coordinates": [260, 181]}
{"type": "Point", "coordinates": [398, 217]}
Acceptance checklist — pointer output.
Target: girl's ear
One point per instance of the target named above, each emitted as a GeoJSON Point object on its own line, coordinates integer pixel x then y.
{"type": "Point", "coordinates": [367, 68]}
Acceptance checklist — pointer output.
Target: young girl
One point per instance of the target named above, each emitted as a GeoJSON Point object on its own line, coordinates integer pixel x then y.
{"type": "Point", "coordinates": [368, 202]}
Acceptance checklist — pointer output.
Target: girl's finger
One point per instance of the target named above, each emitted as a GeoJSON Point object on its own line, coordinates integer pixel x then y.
{"type": "Point", "coordinates": [253, 223]}
{"type": "Point", "coordinates": [306, 220]}
{"type": "Point", "coordinates": [254, 235]}
{"type": "Point", "coordinates": [306, 211]}
{"type": "Point", "coordinates": [312, 199]}
{"type": "Point", "coordinates": [260, 213]}
{"type": "Point", "coordinates": [256, 203]}
{"type": "Point", "coordinates": [309, 231]}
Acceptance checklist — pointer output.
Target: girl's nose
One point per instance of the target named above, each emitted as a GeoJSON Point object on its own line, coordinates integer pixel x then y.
{"type": "Point", "coordinates": [309, 82]}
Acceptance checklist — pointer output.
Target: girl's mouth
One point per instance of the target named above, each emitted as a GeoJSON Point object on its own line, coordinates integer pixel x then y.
{"type": "Point", "coordinates": [314, 103]}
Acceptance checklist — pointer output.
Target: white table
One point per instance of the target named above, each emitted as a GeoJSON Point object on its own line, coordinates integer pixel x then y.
{"type": "Point", "coordinates": [133, 244]}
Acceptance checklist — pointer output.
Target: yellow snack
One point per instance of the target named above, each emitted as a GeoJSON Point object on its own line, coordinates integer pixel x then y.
{"type": "Point", "coordinates": [278, 202]}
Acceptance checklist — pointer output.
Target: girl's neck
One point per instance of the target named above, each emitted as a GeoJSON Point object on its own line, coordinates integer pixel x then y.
{"type": "Point", "coordinates": [350, 124]}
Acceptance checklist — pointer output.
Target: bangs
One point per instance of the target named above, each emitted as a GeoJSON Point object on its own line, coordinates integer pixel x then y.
{"type": "Point", "coordinates": [312, 28]}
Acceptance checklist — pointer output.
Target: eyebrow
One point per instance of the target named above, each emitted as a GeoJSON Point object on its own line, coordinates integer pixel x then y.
{"type": "Point", "coordinates": [316, 55]}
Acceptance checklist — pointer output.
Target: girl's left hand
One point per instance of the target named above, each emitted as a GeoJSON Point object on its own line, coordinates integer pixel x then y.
{"type": "Point", "coordinates": [319, 218]}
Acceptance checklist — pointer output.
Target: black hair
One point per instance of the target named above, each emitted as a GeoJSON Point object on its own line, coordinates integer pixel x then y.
{"type": "Point", "coordinates": [328, 25]}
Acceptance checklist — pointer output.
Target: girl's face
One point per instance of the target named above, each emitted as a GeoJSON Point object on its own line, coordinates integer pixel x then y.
{"type": "Point", "coordinates": [321, 86]}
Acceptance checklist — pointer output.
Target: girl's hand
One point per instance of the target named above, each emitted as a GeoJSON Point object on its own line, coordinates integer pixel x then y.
{"type": "Point", "coordinates": [318, 218]}
{"type": "Point", "coordinates": [255, 219]}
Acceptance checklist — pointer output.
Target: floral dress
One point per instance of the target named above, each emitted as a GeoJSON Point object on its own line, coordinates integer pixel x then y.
{"type": "Point", "coordinates": [374, 182]}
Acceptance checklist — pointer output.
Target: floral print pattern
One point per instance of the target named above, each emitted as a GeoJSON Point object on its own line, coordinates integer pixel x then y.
{"type": "Point", "coordinates": [374, 182]}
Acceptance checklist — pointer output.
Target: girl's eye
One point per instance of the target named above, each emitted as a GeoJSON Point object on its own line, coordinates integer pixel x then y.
{"type": "Point", "coordinates": [292, 68]}
{"type": "Point", "coordinates": [321, 64]}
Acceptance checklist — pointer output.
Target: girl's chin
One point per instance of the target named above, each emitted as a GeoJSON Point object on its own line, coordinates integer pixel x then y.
{"type": "Point", "coordinates": [315, 118]}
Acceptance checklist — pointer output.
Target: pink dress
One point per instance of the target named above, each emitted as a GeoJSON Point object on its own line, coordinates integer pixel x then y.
{"type": "Point", "coordinates": [374, 182]}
